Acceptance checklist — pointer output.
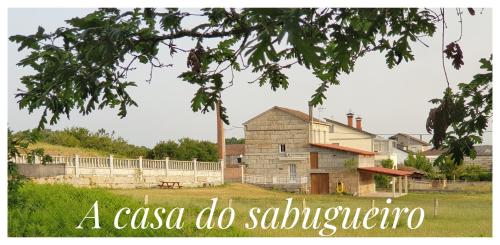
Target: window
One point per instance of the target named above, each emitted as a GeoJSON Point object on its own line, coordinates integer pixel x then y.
{"type": "Point", "coordinates": [376, 147]}
{"type": "Point", "coordinates": [293, 171]}
{"type": "Point", "coordinates": [238, 160]}
{"type": "Point", "coordinates": [282, 148]}
{"type": "Point", "coordinates": [332, 130]}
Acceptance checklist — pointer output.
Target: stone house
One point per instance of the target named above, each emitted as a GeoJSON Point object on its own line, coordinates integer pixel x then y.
{"type": "Point", "coordinates": [289, 149]}
{"type": "Point", "coordinates": [409, 143]}
{"type": "Point", "coordinates": [483, 158]}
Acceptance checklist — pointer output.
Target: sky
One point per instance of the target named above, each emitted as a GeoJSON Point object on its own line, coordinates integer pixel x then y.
{"type": "Point", "coordinates": [389, 100]}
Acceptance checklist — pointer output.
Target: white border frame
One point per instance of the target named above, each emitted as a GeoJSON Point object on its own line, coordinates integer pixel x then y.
{"type": "Point", "coordinates": [228, 3]}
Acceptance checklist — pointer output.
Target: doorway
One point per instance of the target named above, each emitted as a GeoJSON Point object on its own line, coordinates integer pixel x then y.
{"type": "Point", "coordinates": [320, 183]}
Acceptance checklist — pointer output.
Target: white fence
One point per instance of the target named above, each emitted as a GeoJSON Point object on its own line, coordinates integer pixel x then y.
{"type": "Point", "coordinates": [274, 180]}
{"type": "Point", "coordinates": [111, 166]}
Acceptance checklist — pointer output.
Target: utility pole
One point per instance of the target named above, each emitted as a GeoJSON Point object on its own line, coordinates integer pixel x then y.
{"type": "Point", "coordinates": [221, 141]}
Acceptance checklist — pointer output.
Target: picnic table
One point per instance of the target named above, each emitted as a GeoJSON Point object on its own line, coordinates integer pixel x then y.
{"type": "Point", "coordinates": [170, 184]}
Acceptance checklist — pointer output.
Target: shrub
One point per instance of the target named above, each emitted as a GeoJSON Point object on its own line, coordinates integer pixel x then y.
{"type": "Point", "coordinates": [474, 173]}
{"type": "Point", "coordinates": [185, 149]}
{"type": "Point", "coordinates": [82, 137]}
{"type": "Point", "coordinates": [383, 181]}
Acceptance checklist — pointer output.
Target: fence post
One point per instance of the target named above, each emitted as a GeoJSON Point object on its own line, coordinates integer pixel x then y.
{"type": "Point", "coordinates": [195, 168]}
{"type": "Point", "coordinates": [222, 170]}
{"type": "Point", "coordinates": [77, 166]}
{"type": "Point", "coordinates": [140, 166]}
{"type": "Point", "coordinates": [406, 184]}
{"type": "Point", "coordinates": [166, 166]}
{"type": "Point", "coordinates": [242, 174]}
{"type": "Point", "coordinates": [111, 165]}
{"type": "Point", "coordinates": [436, 205]}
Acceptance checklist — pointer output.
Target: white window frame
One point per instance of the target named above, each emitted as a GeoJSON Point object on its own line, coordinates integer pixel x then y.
{"type": "Point", "coordinates": [292, 171]}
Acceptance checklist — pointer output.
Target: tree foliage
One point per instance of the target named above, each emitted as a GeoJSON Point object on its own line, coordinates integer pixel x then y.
{"type": "Point", "coordinates": [84, 66]}
{"type": "Point", "coordinates": [383, 181]}
{"type": "Point", "coordinates": [84, 138]}
{"type": "Point", "coordinates": [460, 119]}
{"type": "Point", "coordinates": [234, 140]}
{"type": "Point", "coordinates": [16, 145]}
{"type": "Point", "coordinates": [185, 149]}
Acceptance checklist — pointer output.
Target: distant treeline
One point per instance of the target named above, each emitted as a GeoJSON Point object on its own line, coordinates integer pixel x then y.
{"type": "Point", "coordinates": [183, 149]}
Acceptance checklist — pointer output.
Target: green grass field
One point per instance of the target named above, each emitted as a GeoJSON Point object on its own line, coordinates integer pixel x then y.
{"type": "Point", "coordinates": [55, 210]}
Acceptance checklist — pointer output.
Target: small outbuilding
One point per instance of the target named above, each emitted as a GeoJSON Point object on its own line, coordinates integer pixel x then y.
{"type": "Point", "coordinates": [366, 177]}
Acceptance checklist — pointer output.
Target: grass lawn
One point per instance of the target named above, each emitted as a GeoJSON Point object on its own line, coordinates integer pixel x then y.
{"type": "Point", "coordinates": [54, 210]}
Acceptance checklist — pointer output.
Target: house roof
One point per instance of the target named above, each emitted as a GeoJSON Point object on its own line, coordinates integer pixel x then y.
{"type": "Point", "coordinates": [235, 149]}
{"type": "Point", "coordinates": [347, 126]}
{"type": "Point", "coordinates": [385, 171]}
{"type": "Point", "coordinates": [411, 138]}
{"type": "Point", "coordinates": [481, 150]}
{"type": "Point", "coordinates": [412, 170]}
{"type": "Point", "coordinates": [343, 148]}
{"type": "Point", "coordinates": [298, 114]}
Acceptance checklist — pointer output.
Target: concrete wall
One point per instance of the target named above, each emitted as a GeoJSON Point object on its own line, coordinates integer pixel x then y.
{"type": "Point", "coordinates": [366, 183]}
{"type": "Point", "coordinates": [37, 170]}
{"type": "Point", "coordinates": [333, 159]}
{"type": "Point", "coordinates": [319, 133]}
{"type": "Point", "coordinates": [348, 177]}
{"type": "Point", "coordinates": [484, 161]}
{"type": "Point", "coordinates": [333, 163]}
{"type": "Point", "coordinates": [122, 173]}
{"type": "Point", "coordinates": [129, 178]}
{"type": "Point", "coordinates": [346, 136]}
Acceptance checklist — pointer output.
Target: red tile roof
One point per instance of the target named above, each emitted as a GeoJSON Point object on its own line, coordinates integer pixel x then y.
{"type": "Point", "coordinates": [343, 148]}
{"type": "Point", "coordinates": [235, 149]}
{"type": "Point", "coordinates": [386, 171]}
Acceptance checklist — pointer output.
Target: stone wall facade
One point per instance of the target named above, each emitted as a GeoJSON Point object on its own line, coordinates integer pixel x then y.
{"type": "Point", "coordinates": [267, 165]}
{"type": "Point", "coordinates": [263, 137]}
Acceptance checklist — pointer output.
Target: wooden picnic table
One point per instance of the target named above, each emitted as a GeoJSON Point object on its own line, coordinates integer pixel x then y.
{"type": "Point", "coordinates": [170, 184]}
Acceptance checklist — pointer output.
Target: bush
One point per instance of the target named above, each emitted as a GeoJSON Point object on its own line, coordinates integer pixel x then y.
{"type": "Point", "coordinates": [420, 162]}
{"type": "Point", "coordinates": [383, 181]}
{"type": "Point", "coordinates": [474, 173]}
{"type": "Point", "coordinates": [82, 137]}
{"type": "Point", "coordinates": [185, 149]}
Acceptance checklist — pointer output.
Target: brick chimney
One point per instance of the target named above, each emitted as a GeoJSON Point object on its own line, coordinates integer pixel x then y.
{"type": "Point", "coordinates": [358, 123]}
{"type": "Point", "coordinates": [349, 119]}
{"type": "Point", "coordinates": [310, 112]}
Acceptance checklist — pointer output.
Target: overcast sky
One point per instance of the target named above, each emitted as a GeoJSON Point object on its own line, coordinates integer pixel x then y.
{"type": "Point", "coordinates": [389, 100]}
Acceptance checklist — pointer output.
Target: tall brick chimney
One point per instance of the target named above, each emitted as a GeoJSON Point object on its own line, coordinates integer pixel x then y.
{"type": "Point", "coordinates": [358, 123]}
{"type": "Point", "coordinates": [349, 119]}
{"type": "Point", "coordinates": [310, 112]}
{"type": "Point", "coordinates": [221, 141]}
